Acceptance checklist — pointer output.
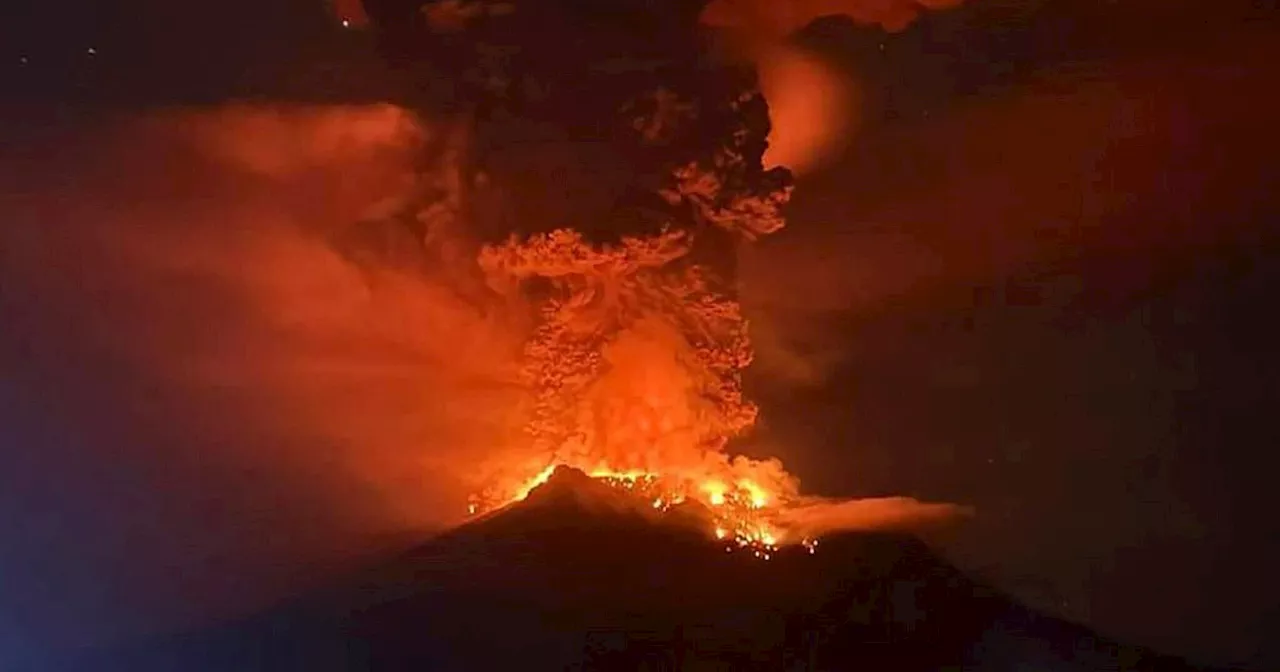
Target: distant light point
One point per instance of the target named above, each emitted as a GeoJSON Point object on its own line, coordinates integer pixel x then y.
{"type": "Point", "coordinates": [23, 60]}
{"type": "Point", "coordinates": [346, 23]}
{"type": "Point", "coordinates": [91, 51]}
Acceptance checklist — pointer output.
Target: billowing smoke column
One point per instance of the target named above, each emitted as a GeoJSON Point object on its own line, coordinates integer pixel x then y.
{"type": "Point", "coordinates": [626, 254]}
{"type": "Point", "coordinates": [613, 161]}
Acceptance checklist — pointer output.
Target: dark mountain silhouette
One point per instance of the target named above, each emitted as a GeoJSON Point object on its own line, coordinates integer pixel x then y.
{"type": "Point", "coordinates": [581, 576]}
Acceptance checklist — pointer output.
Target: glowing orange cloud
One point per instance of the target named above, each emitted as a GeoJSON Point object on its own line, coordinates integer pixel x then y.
{"type": "Point", "coordinates": [208, 241]}
{"type": "Point", "coordinates": [812, 106]}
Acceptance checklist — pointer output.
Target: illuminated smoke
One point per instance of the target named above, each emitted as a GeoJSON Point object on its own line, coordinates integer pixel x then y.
{"type": "Point", "coordinates": [214, 392]}
{"type": "Point", "coordinates": [813, 106]}
{"type": "Point", "coordinates": [634, 362]}
{"type": "Point", "coordinates": [207, 239]}
{"type": "Point", "coordinates": [772, 20]}
{"type": "Point", "coordinates": [634, 373]}
{"type": "Point", "coordinates": [815, 518]}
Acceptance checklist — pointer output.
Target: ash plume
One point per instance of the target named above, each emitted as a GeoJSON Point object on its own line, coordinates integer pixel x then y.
{"type": "Point", "coordinates": [636, 345]}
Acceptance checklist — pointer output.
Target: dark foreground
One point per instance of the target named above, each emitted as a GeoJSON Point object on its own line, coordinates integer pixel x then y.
{"type": "Point", "coordinates": [578, 578]}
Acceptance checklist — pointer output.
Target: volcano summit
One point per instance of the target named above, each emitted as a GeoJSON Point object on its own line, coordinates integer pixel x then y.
{"type": "Point", "coordinates": [583, 575]}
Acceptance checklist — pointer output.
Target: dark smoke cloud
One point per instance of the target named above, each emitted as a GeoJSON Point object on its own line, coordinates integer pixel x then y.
{"type": "Point", "coordinates": [204, 405]}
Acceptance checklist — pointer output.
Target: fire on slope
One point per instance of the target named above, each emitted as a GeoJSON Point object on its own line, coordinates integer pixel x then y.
{"type": "Point", "coordinates": [742, 514]}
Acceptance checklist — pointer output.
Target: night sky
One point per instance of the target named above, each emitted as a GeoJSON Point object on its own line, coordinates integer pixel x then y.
{"type": "Point", "coordinates": [1039, 281]}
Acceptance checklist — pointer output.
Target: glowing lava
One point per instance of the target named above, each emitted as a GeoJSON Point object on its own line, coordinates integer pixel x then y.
{"type": "Point", "coordinates": [739, 515]}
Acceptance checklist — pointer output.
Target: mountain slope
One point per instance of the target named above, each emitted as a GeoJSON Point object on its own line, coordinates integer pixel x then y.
{"type": "Point", "coordinates": [581, 576]}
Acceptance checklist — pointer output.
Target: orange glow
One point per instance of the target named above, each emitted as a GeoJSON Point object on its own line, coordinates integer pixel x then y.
{"type": "Point", "coordinates": [812, 106]}
{"type": "Point", "coordinates": [758, 497]}
{"type": "Point", "coordinates": [773, 20]}
{"type": "Point", "coordinates": [534, 482]}
{"type": "Point", "coordinates": [633, 377]}
{"type": "Point", "coordinates": [715, 492]}
{"type": "Point", "coordinates": [740, 514]}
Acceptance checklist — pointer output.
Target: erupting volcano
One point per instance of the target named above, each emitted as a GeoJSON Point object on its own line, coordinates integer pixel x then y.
{"type": "Point", "coordinates": [581, 575]}
{"type": "Point", "coordinates": [595, 170]}
{"type": "Point", "coordinates": [601, 170]}
{"type": "Point", "coordinates": [634, 368]}
{"type": "Point", "coordinates": [636, 342]}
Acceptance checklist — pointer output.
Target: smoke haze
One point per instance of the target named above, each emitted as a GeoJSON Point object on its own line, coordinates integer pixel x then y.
{"type": "Point", "coordinates": [817, 518]}
{"type": "Point", "coordinates": [203, 398]}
